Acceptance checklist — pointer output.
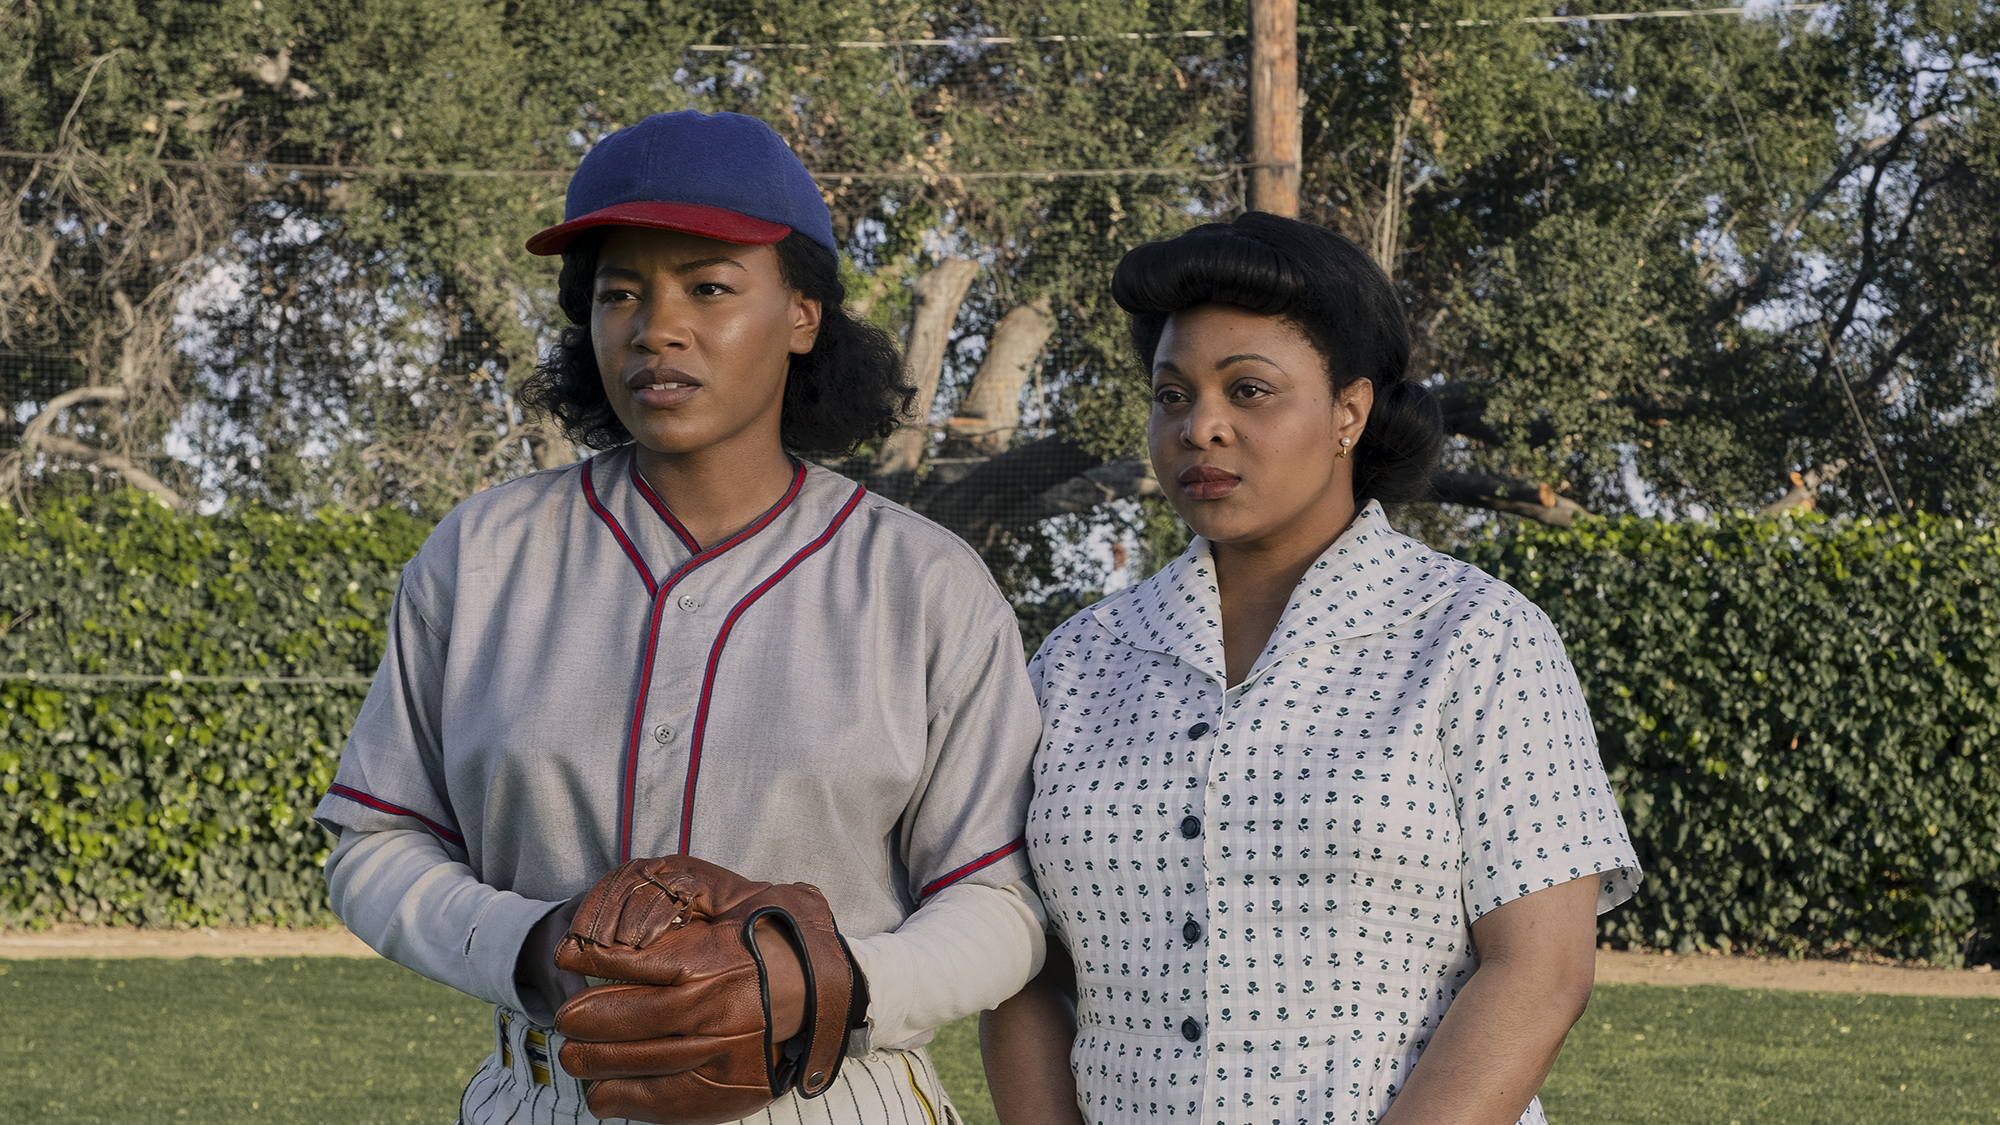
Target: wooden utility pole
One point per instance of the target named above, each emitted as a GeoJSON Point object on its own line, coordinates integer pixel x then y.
{"type": "Point", "coordinates": [1276, 135]}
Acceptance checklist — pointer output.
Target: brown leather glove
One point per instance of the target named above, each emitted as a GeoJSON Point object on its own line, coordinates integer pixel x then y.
{"type": "Point", "coordinates": [681, 1032]}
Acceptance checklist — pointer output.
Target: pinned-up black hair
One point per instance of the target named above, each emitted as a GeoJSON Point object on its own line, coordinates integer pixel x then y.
{"type": "Point", "coordinates": [1330, 290]}
{"type": "Point", "coordinates": [849, 388]}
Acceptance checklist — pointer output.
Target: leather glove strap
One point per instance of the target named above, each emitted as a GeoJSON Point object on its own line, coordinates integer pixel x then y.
{"type": "Point", "coordinates": [810, 1061]}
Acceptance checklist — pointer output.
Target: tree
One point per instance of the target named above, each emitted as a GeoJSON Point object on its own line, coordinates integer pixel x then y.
{"type": "Point", "coordinates": [1669, 264]}
{"type": "Point", "coordinates": [1710, 261]}
{"type": "Point", "coordinates": [98, 250]}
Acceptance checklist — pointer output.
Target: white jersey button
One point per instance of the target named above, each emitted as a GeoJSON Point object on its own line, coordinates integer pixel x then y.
{"type": "Point", "coordinates": [688, 602]}
{"type": "Point", "coordinates": [663, 734]}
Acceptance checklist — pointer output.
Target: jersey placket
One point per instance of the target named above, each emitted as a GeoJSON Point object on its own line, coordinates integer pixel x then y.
{"type": "Point", "coordinates": [660, 722]}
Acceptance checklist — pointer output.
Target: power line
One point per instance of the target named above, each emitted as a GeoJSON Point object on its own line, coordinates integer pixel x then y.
{"type": "Point", "coordinates": [259, 167]}
{"type": "Point", "coordinates": [969, 41]}
{"type": "Point", "coordinates": [1131, 36]}
{"type": "Point", "coordinates": [1211, 171]}
{"type": "Point", "coordinates": [254, 167]}
{"type": "Point", "coordinates": [1619, 17]}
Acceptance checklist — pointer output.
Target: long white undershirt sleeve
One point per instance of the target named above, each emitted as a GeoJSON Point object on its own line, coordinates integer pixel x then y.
{"type": "Point", "coordinates": [967, 948]}
{"type": "Point", "coordinates": [403, 894]}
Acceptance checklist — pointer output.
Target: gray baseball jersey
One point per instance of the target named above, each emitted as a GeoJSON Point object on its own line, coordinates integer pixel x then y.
{"type": "Point", "coordinates": [834, 695]}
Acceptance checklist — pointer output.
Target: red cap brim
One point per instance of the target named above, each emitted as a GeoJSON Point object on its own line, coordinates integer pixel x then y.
{"type": "Point", "coordinates": [693, 218]}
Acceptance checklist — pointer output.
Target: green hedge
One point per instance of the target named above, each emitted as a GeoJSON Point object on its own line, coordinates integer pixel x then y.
{"type": "Point", "coordinates": [1802, 720]}
{"type": "Point", "coordinates": [1800, 717]}
{"type": "Point", "coordinates": [127, 796]}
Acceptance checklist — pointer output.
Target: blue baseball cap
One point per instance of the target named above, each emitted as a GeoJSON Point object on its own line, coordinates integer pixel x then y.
{"type": "Point", "coordinates": [723, 176]}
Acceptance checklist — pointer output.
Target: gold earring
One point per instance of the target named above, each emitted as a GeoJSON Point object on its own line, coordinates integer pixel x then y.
{"type": "Point", "coordinates": [1344, 443]}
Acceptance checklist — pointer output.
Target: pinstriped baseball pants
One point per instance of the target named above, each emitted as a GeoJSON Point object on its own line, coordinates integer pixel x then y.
{"type": "Point", "coordinates": [522, 1083]}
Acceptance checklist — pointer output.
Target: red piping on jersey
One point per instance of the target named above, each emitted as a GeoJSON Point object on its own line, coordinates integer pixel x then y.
{"type": "Point", "coordinates": [380, 805]}
{"type": "Point", "coordinates": [631, 779]}
{"type": "Point", "coordinates": [700, 556]}
{"type": "Point", "coordinates": [660, 506]}
{"type": "Point", "coordinates": [761, 522]}
{"type": "Point", "coordinates": [983, 862]}
{"type": "Point", "coordinates": [715, 657]}
{"type": "Point", "coordinates": [661, 592]}
{"type": "Point", "coordinates": [631, 552]}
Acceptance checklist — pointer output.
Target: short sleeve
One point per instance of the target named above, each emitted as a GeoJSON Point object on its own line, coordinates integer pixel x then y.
{"type": "Point", "coordinates": [965, 820]}
{"type": "Point", "coordinates": [392, 769]}
{"type": "Point", "coordinates": [1534, 805]}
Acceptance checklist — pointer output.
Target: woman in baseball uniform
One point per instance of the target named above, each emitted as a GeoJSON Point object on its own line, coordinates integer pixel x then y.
{"type": "Point", "coordinates": [697, 643]}
{"type": "Point", "coordinates": [1319, 820]}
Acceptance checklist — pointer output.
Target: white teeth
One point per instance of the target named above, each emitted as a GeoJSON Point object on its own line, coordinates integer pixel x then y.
{"type": "Point", "coordinates": [664, 386]}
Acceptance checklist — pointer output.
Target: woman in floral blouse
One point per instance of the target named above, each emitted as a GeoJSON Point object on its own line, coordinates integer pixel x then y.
{"type": "Point", "coordinates": [1319, 818]}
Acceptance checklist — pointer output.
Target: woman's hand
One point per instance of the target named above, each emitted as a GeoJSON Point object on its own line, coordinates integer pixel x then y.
{"type": "Point", "coordinates": [1537, 959]}
{"type": "Point", "coordinates": [535, 972]}
{"type": "Point", "coordinates": [1025, 1045]}
{"type": "Point", "coordinates": [786, 979]}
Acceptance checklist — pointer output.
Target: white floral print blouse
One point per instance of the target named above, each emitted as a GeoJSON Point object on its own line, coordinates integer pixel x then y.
{"type": "Point", "coordinates": [1268, 889]}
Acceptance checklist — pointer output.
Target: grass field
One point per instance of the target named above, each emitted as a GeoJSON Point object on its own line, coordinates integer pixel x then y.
{"type": "Point", "coordinates": [353, 1042]}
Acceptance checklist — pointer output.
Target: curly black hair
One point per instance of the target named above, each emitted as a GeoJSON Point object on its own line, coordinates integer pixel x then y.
{"type": "Point", "coordinates": [849, 388]}
{"type": "Point", "coordinates": [1335, 294]}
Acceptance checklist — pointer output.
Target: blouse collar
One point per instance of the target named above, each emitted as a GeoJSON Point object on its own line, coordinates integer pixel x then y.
{"type": "Point", "coordinates": [1371, 579]}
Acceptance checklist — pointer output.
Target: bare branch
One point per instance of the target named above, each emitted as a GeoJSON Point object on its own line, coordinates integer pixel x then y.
{"type": "Point", "coordinates": [96, 65]}
{"type": "Point", "coordinates": [939, 293]}
{"type": "Point", "coordinates": [1002, 491]}
{"type": "Point", "coordinates": [1778, 252]}
{"type": "Point", "coordinates": [1385, 246]}
{"type": "Point", "coordinates": [992, 408]}
{"type": "Point", "coordinates": [93, 262]}
{"type": "Point", "coordinates": [550, 447]}
{"type": "Point", "coordinates": [1864, 273]}
{"type": "Point", "coordinates": [981, 498]}
{"type": "Point", "coordinates": [105, 459]}
{"type": "Point", "coordinates": [32, 433]}
{"type": "Point", "coordinates": [1803, 494]}
{"type": "Point", "coordinates": [1123, 479]}
{"type": "Point", "coordinates": [1029, 483]}
{"type": "Point", "coordinates": [1537, 502]}
{"type": "Point", "coordinates": [1668, 196]}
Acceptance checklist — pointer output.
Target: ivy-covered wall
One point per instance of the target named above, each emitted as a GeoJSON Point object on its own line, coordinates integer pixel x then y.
{"type": "Point", "coordinates": [193, 681]}
{"type": "Point", "coordinates": [1802, 718]}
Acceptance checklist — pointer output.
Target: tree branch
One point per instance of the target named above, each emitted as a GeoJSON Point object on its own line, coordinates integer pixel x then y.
{"type": "Point", "coordinates": [1879, 372]}
{"type": "Point", "coordinates": [1779, 250]}
{"type": "Point", "coordinates": [1465, 414]}
{"type": "Point", "coordinates": [1122, 479]}
{"type": "Point", "coordinates": [939, 293]}
{"type": "Point", "coordinates": [981, 498]}
{"type": "Point", "coordinates": [1002, 491]}
{"type": "Point", "coordinates": [1803, 494]}
{"type": "Point", "coordinates": [34, 432]}
{"type": "Point", "coordinates": [1537, 502]}
{"type": "Point", "coordinates": [992, 408]}
{"type": "Point", "coordinates": [104, 458]}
